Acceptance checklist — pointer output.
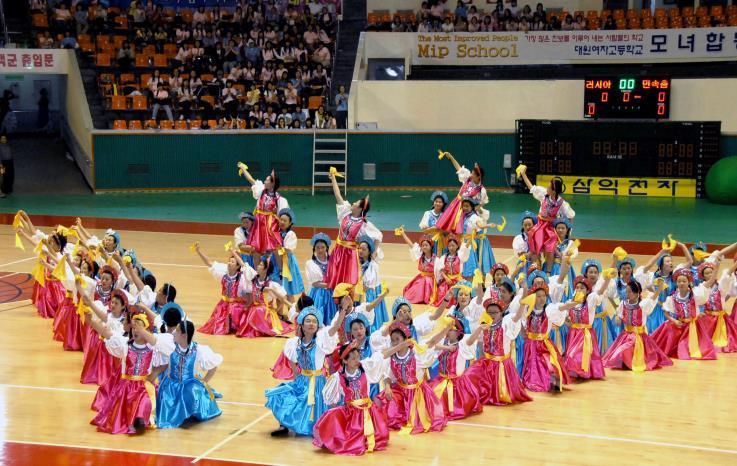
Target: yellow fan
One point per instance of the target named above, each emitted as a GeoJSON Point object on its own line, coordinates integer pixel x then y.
{"type": "Point", "coordinates": [229, 245]}
{"type": "Point", "coordinates": [419, 348]}
{"type": "Point", "coordinates": [334, 172]}
{"type": "Point", "coordinates": [700, 255]}
{"type": "Point", "coordinates": [447, 321]}
{"type": "Point", "coordinates": [670, 245]}
{"type": "Point", "coordinates": [658, 282]}
{"type": "Point", "coordinates": [620, 253]}
{"type": "Point", "coordinates": [464, 288]}
{"type": "Point", "coordinates": [384, 286]}
{"type": "Point", "coordinates": [478, 278]}
{"type": "Point", "coordinates": [529, 301]}
{"type": "Point", "coordinates": [572, 250]}
{"type": "Point", "coordinates": [578, 297]}
{"type": "Point", "coordinates": [504, 224]}
{"type": "Point", "coordinates": [17, 220]}
{"type": "Point", "coordinates": [523, 257]}
{"type": "Point", "coordinates": [399, 231]}
{"type": "Point", "coordinates": [127, 259]}
{"type": "Point", "coordinates": [609, 273]}
{"type": "Point", "coordinates": [19, 243]}
{"type": "Point", "coordinates": [193, 247]}
{"type": "Point", "coordinates": [486, 319]}
{"type": "Point", "coordinates": [442, 154]}
{"type": "Point", "coordinates": [520, 169]}
{"type": "Point", "coordinates": [241, 166]}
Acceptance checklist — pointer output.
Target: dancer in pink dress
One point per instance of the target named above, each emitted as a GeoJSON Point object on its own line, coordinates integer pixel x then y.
{"type": "Point", "coordinates": [722, 329]}
{"type": "Point", "coordinates": [634, 349]}
{"type": "Point", "coordinates": [343, 264]}
{"type": "Point", "coordinates": [449, 265]}
{"type": "Point", "coordinates": [262, 315]}
{"type": "Point", "coordinates": [451, 221]}
{"type": "Point", "coordinates": [229, 311]}
{"type": "Point", "coordinates": [423, 288]}
{"type": "Point", "coordinates": [542, 238]}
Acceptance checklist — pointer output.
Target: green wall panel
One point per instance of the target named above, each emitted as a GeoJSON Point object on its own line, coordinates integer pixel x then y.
{"type": "Point", "coordinates": [729, 146]}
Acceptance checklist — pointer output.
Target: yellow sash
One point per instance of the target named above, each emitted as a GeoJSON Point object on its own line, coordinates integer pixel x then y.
{"type": "Point", "coordinates": [501, 379]}
{"type": "Point", "coordinates": [604, 329]}
{"type": "Point", "coordinates": [457, 216]}
{"type": "Point", "coordinates": [207, 386]}
{"type": "Point", "coordinates": [446, 384]}
{"type": "Point", "coordinates": [270, 218]}
{"type": "Point", "coordinates": [693, 338]}
{"type": "Point", "coordinates": [638, 356]}
{"type": "Point", "coordinates": [276, 324]}
{"type": "Point", "coordinates": [150, 391]}
{"type": "Point", "coordinates": [312, 375]}
{"type": "Point", "coordinates": [719, 338]}
{"type": "Point", "coordinates": [418, 409]}
{"type": "Point", "coordinates": [434, 294]}
{"type": "Point", "coordinates": [284, 261]}
{"type": "Point", "coordinates": [364, 404]}
{"type": "Point", "coordinates": [551, 351]}
{"type": "Point", "coordinates": [587, 346]}
{"type": "Point", "coordinates": [231, 300]}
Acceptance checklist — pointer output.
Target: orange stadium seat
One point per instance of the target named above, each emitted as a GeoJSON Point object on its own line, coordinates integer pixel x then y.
{"type": "Point", "coordinates": [121, 22]}
{"type": "Point", "coordinates": [195, 124]}
{"type": "Point", "coordinates": [142, 61]}
{"type": "Point", "coordinates": [618, 14]}
{"type": "Point", "coordinates": [646, 13]}
{"type": "Point", "coordinates": [633, 14]}
{"type": "Point", "coordinates": [732, 10]}
{"type": "Point", "coordinates": [315, 102]}
{"type": "Point", "coordinates": [118, 102]}
{"type": "Point", "coordinates": [102, 59]}
{"type": "Point", "coordinates": [160, 60]}
{"type": "Point", "coordinates": [168, 124]}
{"type": "Point", "coordinates": [648, 23]}
{"type": "Point", "coordinates": [120, 124]}
{"type": "Point", "coordinates": [675, 22]}
{"type": "Point", "coordinates": [687, 11]}
{"type": "Point", "coordinates": [140, 102]}
{"type": "Point", "coordinates": [40, 20]}
{"type": "Point", "coordinates": [180, 124]}
{"type": "Point", "coordinates": [673, 12]}
{"type": "Point", "coordinates": [135, 125]}
{"type": "Point", "coordinates": [702, 11]}
{"type": "Point", "coordinates": [660, 12]}
{"type": "Point", "coordinates": [633, 23]}
{"type": "Point", "coordinates": [716, 10]}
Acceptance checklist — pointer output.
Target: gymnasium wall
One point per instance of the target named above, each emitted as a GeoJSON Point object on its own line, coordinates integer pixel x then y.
{"type": "Point", "coordinates": [186, 160]}
{"type": "Point", "coordinates": [482, 105]}
{"type": "Point", "coordinates": [570, 5]}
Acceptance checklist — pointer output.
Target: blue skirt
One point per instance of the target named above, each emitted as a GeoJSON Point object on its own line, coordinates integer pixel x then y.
{"type": "Point", "coordinates": [655, 319]}
{"type": "Point", "coordinates": [559, 342]}
{"type": "Point", "coordinates": [323, 299]}
{"type": "Point", "coordinates": [295, 286]}
{"type": "Point", "coordinates": [568, 294]}
{"type": "Point", "coordinates": [605, 339]}
{"type": "Point", "coordinates": [519, 349]}
{"type": "Point", "coordinates": [248, 259]}
{"type": "Point", "coordinates": [381, 316]}
{"type": "Point", "coordinates": [288, 402]}
{"type": "Point", "coordinates": [176, 402]}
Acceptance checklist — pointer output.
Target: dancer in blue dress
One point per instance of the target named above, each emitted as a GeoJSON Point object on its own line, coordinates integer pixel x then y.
{"type": "Point", "coordinates": [521, 246]}
{"type": "Point", "coordinates": [563, 230]}
{"type": "Point", "coordinates": [183, 393]}
{"type": "Point", "coordinates": [603, 325]}
{"type": "Point", "coordinates": [316, 269]}
{"type": "Point", "coordinates": [288, 266]}
{"type": "Point", "coordinates": [358, 330]}
{"type": "Point", "coordinates": [617, 291]}
{"type": "Point", "coordinates": [298, 404]}
{"type": "Point", "coordinates": [369, 283]}
{"type": "Point", "coordinates": [240, 238]}
{"type": "Point", "coordinates": [430, 218]}
{"type": "Point", "coordinates": [474, 233]}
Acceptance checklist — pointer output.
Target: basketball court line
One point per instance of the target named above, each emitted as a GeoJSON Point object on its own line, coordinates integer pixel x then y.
{"type": "Point", "coordinates": [17, 262]}
{"type": "Point", "coordinates": [683, 446]}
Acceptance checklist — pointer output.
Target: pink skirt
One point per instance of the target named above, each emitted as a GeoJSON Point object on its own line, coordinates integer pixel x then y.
{"type": "Point", "coordinates": [282, 369]}
{"type": "Point", "coordinates": [225, 318]}
{"type": "Point", "coordinates": [49, 298]}
{"type": "Point", "coordinates": [443, 288]}
{"type": "Point", "coordinates": [538, 367]}
{"type": "Point", "coordinates": [451, 220]}
{"type": "Point", "coordinates": [340, 430]}
{"type": "Point", "coordinates": [400, 410]}
{"type": "Point", "coordinates": [99, 365]}
{"type": "Point", "coordinates": [258, 323]}
{"type": "Point", "coordinates": [621, 353]}
{"type": "Point", "coordinates": [484, 374]}
{"type": "Point", "coordinates": [710, 322]}
{"type": "Point", "coordinates": [466, 398]}
{"type": "Point", "coordinates": [673, 340]}
{"type": "Point", "coordinates": [342, 266]}
{"type": "Point", "coordinates": [542, 238]}
{"type": "Point", "coordinates": [574, 355]}
{"type": "Point", "coordinates": [420, 290]}
{"type": "Point", "coordinates": [127, 401]}
{"type": "Point", "coordinates": [68, 327]}
{"type": "Point", "coordinates": [265, 235]}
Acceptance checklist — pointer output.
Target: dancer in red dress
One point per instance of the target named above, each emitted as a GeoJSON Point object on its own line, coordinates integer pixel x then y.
{"type": "Point", "coordinates": [423, 288]}
{"type": "Point", "coordinates": [343, 264]}
{"type": "Point", "coordinates": [451, 220]}
{"type": "Point", "coordinates": [722, 329]}
{"type": "Point", "coordinates": [685, 335]}
{"type": "Point", "coordinates": [495, 374]}
{"type": "Point", "coordinates": [229, 311]}
{"type": "Point", "coordinates": [264, 237]}
{"type": "Point", "coordinates": [448, 267]}
{"type": "Point", "coordinates": [262, 316]}
{"type": "Point", "coordinates": [358, 426]}
{"type": "Point", "coordinates": [410, 404]}
{"type": "Point", "coordinates": [542, 238]}
{"type": "Point", "coordinates": [99, 365]}
{"type": "Point", "coordinates": [69, 323]}
{"type": "Point", "coordinates": [634, 349]}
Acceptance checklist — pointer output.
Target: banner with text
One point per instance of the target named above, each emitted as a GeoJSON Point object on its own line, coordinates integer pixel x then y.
{"type": "Point", "coordinates": [561, 47]}
{"type": "Point", "coordinates": [44, 61]}
{"type": "Point", "coordinates": [602, 186]}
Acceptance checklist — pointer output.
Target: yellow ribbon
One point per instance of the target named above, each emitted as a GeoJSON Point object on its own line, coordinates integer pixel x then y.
{"type": "Point", "coordinates": [207, 387]}
{"type": "Point", "coordinates": [19, 243]}
{"type": "Point", "coordinates": [518, 171]}
{"type": "Point", "coordinates": [700, 255]}
{"type": "Point", "coordinates": [39, 271]}
{"type": "Point", "coordinates": [434, 294]}
{"type": "Point", "coordinates": [485, 319]}
{"type": "Point", "coordinates": [150, 391]}
{"type": "Point", "coordinates": [558, 338]}
{"type": "Point", "coordinates": [334, 171]}
{"type": "Point", "coordinates": [501, 379]}
{"type": "Point", "coordinates": [229, 245]}
{"type": "Point", "coordinates": [442, 155]}
{"type": "Point", "coordinates": [283, 258]}
{"type": "Point", "coordinates": [620, 253]}
{"type": "Point", "coordinates": [670, 245]}
{"type": "Point", "coordinates": [456, 217]}
{"type": "Point", "coordinates": [276, 324]}
{"type": "Point", "coordinates": [193, 247]}
{"type": "Point", "coordinates": [446, 384]}
{"type": "Point", "coordinates": [439, 239]}
{"type": "Point", "coordinates": [39, 247]}
{"type": "Point", "coordinates": [418, 409]}
{"type": "Point", "coordinates": [638, 356]}
{"type": "Point", "coordinates": [312, 375]}
{"type": "Point", "coordinates": [364, 404]}
{"type": "Point", "coordinates": [60, 271]}
{"type": "Point", "coordinates": [551, 351]}
{"type": "Point", "coordinates": [720, 332]}
{"type": "Point", "coordinates": [478, 277]}
{"type": "Point", "coordinates": [82, 311]}
{"type": "Point", "coordinates": [241, 166]}
{"type": "Point", "coordinates": [504, 224]}
{"type": "Point", "coordinates": [693, 340]}
{"type": "Point", "coordinates": [472, 237]}
{"type": "Point", "coordinates": [399, 231]}
{"type": "Point", "coordinates": [419, 348]}
{"type": "Point", "coordinates": [587, 345]}
{"type": "Point", "coordinates": [17, 220]}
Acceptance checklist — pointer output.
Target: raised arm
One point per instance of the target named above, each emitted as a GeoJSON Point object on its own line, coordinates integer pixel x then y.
{"type": "Point", "coordinates": [338, 322]}
{"type": "Point", "coordinates": [336, 189]}
{"type": "Point", "coordinates": [435, 315]}
{"type": "Point", "coordinates": [370, 306]}
{"type": "Point", "coordinates": [100, 313]}
{"type": "Point", "coordinates": [242, 168]}
{"type": "Point", "coordinates": [101, 328]}
{"type": "Point", "coordinates": [564, 268]}
{"type": "Point", "coordinates": [476, 333]}
{"type": "Point", "coordinates": [406, 238]}
{"type": "Point", "coordinates": [202, 255]}
{"type": "Point", "coordinates": [686, 254]}
{"type": "Point", "coordinates": [237, 257]}
{"type": "Point", "coordinates": [527, 181]}
{"type": "Point", "coordinates": [653, 260]}
{"type": "Point", "coordinates": [84, 235]}
{"type": "Point", "coordinates": [453, 160]}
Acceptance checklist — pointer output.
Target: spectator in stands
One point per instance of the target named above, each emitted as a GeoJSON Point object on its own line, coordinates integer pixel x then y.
{"type": "Point", "coordinates": [609, 24]}
{"type": "Point", "coordinates": [525, 13]}
{"type": "Point", "coordinates": [38, 6]}
{"type": "Point", "coordinates": [398, 25]}
{"type": "Point", "coordinates": [579, 24]}
{"type": "Point", "coordinates": [424, 14]}
{"type": "Point", "coordinates": [321, 118]}
{"type": "Point", "coordinates": [486, 25]}
{"type": "Point", "coordinates": [7, 167]}
{"type": "Point", "coordinates": [300, 115]}
{"type": "Point", "coordinates": [538, 24]}
{"type": "Point", "coordinates": [437, 11]}
{"type": "Point", "coordinates": [540, 11]}
{"type": "Point", "coordinates": [69, 42]}
{"type": "Point", "coordinates": [554, 24]}
{"type": "Point", "coordinates": [137, 15]}
{"type": "Point", "coordinates": [62, 17]}
{"type": "Point", "coordinates": [523, 25]}
{"type": "Point", "coordinates": [341, 107]}
{"type": "Point", "coordinates": [230, 99]}
{"type": "Point", "coordinates": [80, 19]}
{"type": "Point", "coordinates": [162, 100]}
{"type": "Point", "coordinates": [126, 56]}
{"type": "Point", "coordinates": [473, 25]}
{"type": "Point", "coordinates": [473, 13]}
{"type": "Point", "coordinates": [284, 119]}
{"type": "Point", "coordinates": [461, 10]}
{"type": "Point", "coordinates": [447, 25]}
{"type": "Point", "coordinates": [567, 24]}
{"type": "Point", "coordinates": [322, 55]}
{"type": "Point", "coordinates": [513, 8]}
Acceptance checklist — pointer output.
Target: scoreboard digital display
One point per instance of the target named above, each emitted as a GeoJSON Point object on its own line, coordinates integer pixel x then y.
{"type": "Point", "coordinates": [627, 97]}
{"type": "Point", "coordinates": [619, 148]}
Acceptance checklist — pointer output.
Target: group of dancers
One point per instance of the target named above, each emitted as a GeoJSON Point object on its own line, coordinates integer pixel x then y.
{"type": "Point", "coordinates": [138, 344]}
{"type": "Point", "coordinates": [352, 370]}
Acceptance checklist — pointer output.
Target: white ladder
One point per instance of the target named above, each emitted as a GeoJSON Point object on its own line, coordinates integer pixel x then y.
{"type": "Point", "coordinates": [329, 150]}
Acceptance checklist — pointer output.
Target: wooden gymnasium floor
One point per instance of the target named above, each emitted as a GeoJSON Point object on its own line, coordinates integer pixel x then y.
{"type": "Point", "coordinates": [683, 414]}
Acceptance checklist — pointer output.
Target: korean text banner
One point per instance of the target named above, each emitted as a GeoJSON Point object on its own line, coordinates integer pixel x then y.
{"type": "Point", "coordinates": [600, 186]}
{"type": "Point", "coordinates": [561, 47]}
{"type": "Point", "coordinates": [20, 61]}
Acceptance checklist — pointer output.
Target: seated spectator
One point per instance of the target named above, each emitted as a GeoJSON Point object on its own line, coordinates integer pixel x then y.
{"type": "Point", "coordinates": [68, 42]}
{"type": "Point", "coordinates": [447, 25]}
{"type": "Point", "coordinates": [538, 24]}
{"type": "Point", "coordinates": [525, 13]}
{"type": "Point", "coordinates": [540, 11]}
{"type": "Point", "coordinates": [162, 99]}
{"type": "Point", "coordinates": [579, 24]}
{"type": "Point", "coordinates": [321, 118]}
{"type": "Point", "coordinates": [126, 56]}
{"type": "Point", "coordinates": [398, 25]}
{"type": "Point", "coordinates": [473, 25]}
{"type": "Point", "coordinates": [610, 25]}
{"type": "Point", "coordinates": [461, 10]}
{"type": "Point", "coordinates": [523, 25]}
{"type": "Point", "coordinates": [437, 11]}
{"type": "Point", "coordinates": [62, 17]}
{"type": "Point", "coordinates": [322, 56]}
{"type": "Point", "coordinates": [567, 24]}
{"type": "Point", "coordinates": [473, 13]}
